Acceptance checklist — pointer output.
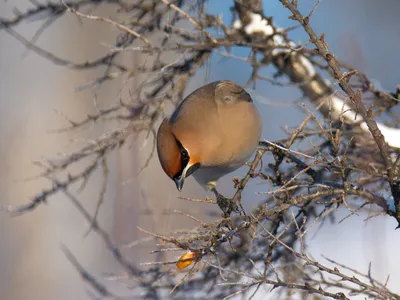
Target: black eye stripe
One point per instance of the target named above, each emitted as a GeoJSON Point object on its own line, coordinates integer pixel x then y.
{"type": "Point", "coordinates": [184, 156]}
{"type": "Point", "coordinates": [184, 159]}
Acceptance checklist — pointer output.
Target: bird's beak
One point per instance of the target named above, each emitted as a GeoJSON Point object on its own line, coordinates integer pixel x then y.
{"type": "Point", "coordinates": [179, 182]}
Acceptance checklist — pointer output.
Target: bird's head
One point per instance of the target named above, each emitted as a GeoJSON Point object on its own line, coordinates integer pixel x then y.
{"type": "Point", "coordinates": [175, 159]}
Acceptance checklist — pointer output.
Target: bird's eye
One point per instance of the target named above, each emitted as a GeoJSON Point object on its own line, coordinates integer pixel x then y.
{"type": "Point", "coordinates": [184, 160]}
{"type": "Point", "coordinates": [184, 157]}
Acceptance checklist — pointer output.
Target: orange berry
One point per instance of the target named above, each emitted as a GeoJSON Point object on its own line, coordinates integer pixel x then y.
{"type": "Point", "coordinates": [186, 260]}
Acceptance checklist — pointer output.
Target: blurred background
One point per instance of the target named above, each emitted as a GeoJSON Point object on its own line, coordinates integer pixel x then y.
{"type": "Point", "coordinates": [363, 33]}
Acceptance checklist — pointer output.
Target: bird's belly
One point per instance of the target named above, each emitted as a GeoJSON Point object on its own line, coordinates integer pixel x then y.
{"type": "Point", "coordinates": [204, 175]}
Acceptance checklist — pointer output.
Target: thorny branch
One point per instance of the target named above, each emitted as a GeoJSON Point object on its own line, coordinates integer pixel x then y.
{"type": "Point", "coordinates": [356, 100]}
{"type": "Point", "coordinates": [304, 186]}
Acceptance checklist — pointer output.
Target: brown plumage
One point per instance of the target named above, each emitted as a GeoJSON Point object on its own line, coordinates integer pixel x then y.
{"type": "Point", "coordinates": [212, 132]}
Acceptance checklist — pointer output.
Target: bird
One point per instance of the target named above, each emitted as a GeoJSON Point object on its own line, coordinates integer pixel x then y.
{"type": "Point", "coordinates": [211, 133]}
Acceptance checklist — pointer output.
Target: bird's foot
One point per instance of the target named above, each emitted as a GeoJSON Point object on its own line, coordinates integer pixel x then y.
{"type": "Point", "coordinates": [227, 205]}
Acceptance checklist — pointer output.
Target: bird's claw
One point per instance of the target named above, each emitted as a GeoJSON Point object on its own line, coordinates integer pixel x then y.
{"type": "Point", "coordinates": [227, 205]}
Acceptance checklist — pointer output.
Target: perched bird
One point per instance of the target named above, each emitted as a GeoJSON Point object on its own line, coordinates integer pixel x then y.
{"type": "Point", "coordinates": [212, 132]}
